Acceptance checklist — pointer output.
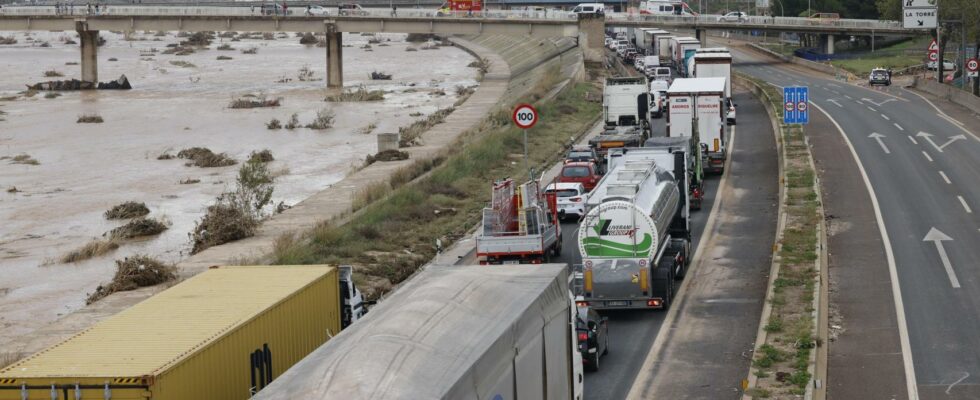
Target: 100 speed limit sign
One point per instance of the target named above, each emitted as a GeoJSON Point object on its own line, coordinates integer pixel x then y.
{"type": "Point", "coordinates": [525, 116]}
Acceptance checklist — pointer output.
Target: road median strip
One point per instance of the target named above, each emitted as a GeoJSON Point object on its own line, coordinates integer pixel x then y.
{"type": "Point", "coordinates": [785, 359]}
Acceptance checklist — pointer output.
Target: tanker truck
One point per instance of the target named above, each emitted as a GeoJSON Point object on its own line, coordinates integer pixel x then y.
{"type": "Point", "coordinates": [634, 238]}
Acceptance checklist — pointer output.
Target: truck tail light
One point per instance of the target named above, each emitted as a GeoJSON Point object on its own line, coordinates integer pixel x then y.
{"type": "Point", "coordinates": [653, 303]}
{"type": "Point", "coordinates": [581, 304]}
{"type": "Point", "coordinates": [582, 336]}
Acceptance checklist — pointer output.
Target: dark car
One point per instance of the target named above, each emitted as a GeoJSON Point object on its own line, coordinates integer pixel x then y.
{"type": "Point", "coordinates": [593, 335]}
{"type": "Point", "coordinates": [584, 153]}
{"type": "Point", "coordinates": [880, 76]}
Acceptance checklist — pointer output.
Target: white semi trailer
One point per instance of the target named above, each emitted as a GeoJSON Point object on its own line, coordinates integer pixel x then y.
{"type": "Point", "coordinates": [626, 102]}
{"type": "Point", "coordinates": [714, 62]}
{"type": "Point", "coordinates": [700, 102]}
{"type": "Point", "coordinates": [452, 332]}
{"type": "Point", "coordinates": [630, 253]}
{"type": "Point", "coordinates": [682, 49]}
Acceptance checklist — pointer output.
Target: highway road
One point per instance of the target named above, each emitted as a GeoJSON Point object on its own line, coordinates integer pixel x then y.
{"type": "Point", "coordinates": [922, 170]}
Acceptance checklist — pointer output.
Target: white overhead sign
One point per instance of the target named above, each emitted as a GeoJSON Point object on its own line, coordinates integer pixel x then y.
{"type": "Point", "coordinates": [920, 18]}
{"type": "Point", "coordinates": [918, 3]}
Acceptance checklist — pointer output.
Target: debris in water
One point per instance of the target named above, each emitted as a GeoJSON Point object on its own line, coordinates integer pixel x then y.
{"type": "Point", "coordinates": [133, 273]}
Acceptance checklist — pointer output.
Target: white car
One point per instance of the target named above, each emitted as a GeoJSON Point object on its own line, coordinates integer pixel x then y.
{"type": "Point", "coordinates": [734, 16]}
{"type": "Point", "coordinates": [571, 198]}
{"type": "Point", "coordinates": [317, 11]}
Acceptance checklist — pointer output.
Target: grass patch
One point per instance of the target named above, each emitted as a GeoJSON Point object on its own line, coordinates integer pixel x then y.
{"type": "Point", "coordinates": [411, 135]}
{"type": "Point", "coordinates": [390, 238]}
{"type": "Point", "coordinates": [133, 273]}
{"type": "Point", "coordinates": [129, 209]}
{"type": "Point", "coordinates": [90, 119]}
{"type": "Point", "coordinates": [252, 101]}
{"type": "Point", "coordinates": [139, 227]}
{"type": "Point", "coordinates": [360, 94]}
{"type": "Point", "coordinates": [91, 249]}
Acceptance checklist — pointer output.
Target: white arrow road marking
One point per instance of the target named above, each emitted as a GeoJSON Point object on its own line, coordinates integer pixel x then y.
{"type": "Point", "coordinates": [928, 137]}
{"type": "Point", "coordinates": [965, 206]}
{"type": "Point", "coordinates": [835, 102]}
{"type": "Point", "coordinates": [877, 104]}
{"type": "Point", "coordinates": [938, 237]}
{"type": "Point", "coordinates": [900, 128]}
{"type": "Point", "coordinates": [877, 136]}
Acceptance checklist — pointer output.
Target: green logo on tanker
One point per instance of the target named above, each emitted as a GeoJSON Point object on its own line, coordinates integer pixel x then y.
{"type": "Point", "coordinates": [616, 230]}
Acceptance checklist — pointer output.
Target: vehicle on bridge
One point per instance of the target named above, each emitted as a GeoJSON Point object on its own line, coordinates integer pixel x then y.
{"type": "Point", "coordinates": [666, 7]}
{"type": "Point", "coordinates": [521, 225]}
{"type": "Point", "coordinates": [451, 332]}
{"type": "Point", "coordinates": [734, 16]}
{"type": "Point", "coordinates": [631, 240]}
{"type": "Point", "coordinates": [697, 109]}
{"type": "Point", "coordinates": [590, 8]}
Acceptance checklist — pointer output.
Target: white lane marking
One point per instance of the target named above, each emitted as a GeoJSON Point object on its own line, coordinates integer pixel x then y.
{"type": "Point", "coordinates": [835, 102]}
{"type": "Point", "coordinates": [950, 387]}
{"type": "Point", "coordinates": [901, 129]}
{"type": "Point", "coordinates": [928, 137]}
{"type": "Point", "coordinates": [950, 119]}
{"type": "Point", "coordinates": [834, 85]}
{"type": "Point", "coordinates": [927, 155]}
{"type": "Point", "coordinates": [945, 178]}
{"type": "Point", "coordinates": [937, 237]}
{"type": "Point", "coordinates": [912, 139]}
{"type": "Point", "coordinates": [877, 104]}
{"type": "Point", "coordinates": [877, 136]}
{"type": "Point", "coordinates": [965, 206]}
{"type": "Point", "coordinates": [903, 327]}
{"type": "Point", "coordinates": [859, 102]}
{"type": "Point", "coordinates": [941, 112]}
{"type": "Point", "coordinates": [872, 109]}
{"type": "Point", "coordinates": [885, 117]}
{"type": "Point", "coordinates": [849, 97]}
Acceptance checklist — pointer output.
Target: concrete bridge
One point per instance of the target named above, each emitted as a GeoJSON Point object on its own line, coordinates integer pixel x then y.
{"type": "Point", "coordinates": [589, 29]}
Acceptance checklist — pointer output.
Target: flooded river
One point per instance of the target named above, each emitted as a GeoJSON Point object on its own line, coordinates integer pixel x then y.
{"type": "Point", "coordinates": [84, 169]}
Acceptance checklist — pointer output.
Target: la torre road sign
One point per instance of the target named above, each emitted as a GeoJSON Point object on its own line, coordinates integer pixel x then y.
{"type": "Point", "coordinates": [920, 18]}
{"type": "Point", "coordinates": [918, 3]}
{"type": "Point", "coordinates": [525, 116]}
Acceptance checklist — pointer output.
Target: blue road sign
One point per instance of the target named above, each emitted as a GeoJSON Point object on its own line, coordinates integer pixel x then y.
{"type": "Point", "coordinates": [796, 105]}
{"type": "Point", "coordinates": [789, 105]}
{"type": "Point", "coordinates": [803, 105]}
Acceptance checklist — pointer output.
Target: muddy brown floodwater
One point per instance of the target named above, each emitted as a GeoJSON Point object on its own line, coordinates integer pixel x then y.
{"type": "Point", "coordinates": [87, 168]}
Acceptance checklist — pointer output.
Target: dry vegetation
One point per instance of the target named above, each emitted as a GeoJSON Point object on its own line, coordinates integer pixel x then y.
{"type": "Point", "coordinates": [138, 227]}
{"type": "Point", "coordinates": [53, 73]}
{"type": "Point", "coordinates": [263, 156]}
{"type": "Point", "coordinates": [236, 215]}
{"type": "Point", "coordinates": [182, 64]}
{"type": "Point", "coordinates": [133, 273]}
{"type": "Point", "coordinates": [361, 94]}
{"type": "Point", "coordinates": [412, 135]}
{"type": "Point", "coordinates": [129, 209]}
{"type": "Point", "coordinates": [387, 155]}
{"type": "Point", "coordinates": [253, 101]}
{"type": "Point", "coordinates": [94, 248]}
{"type": "Point", "coordinates": [205, 158]}
{"type": "Point", "coordinates": [5, 40]}
{"type": "Point", "coordinates": [323, 120]}
{"type": "Point", "coordinates": [90, 119]}
{"type": "Point", "coordinates": [25, 159]}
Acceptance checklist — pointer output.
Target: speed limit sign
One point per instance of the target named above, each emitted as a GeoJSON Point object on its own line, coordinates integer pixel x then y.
{"type": "Point", "coordinates": [525, 116]}
{"type": "Point", "coordinates": [933, 56]}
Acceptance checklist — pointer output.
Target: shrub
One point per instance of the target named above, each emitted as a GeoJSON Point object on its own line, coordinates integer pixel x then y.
{"type": "Point", "coordinates": [255, 102]}
{"type": "Point", "coordinates": [293, 122]}
{"type": "Point", "coordinates": [361, 94]}
{"type": "Point", "coordinates": [235, 215]}
{"type": "Point", "coordinates": [90, 119]}
{"type": "Point", "coordinates": [324, 120]}
{"type": "Point", "coordinates": [91, 249]}
{"type": "Point", "coordinates": [273, 124]}
{"type": "Point", "coordinates": [220, 58]}
{"type": "Point", "coordinates": [129, 209]}
{"type": "Point", "coordinates": [251, 50]}
{"type": "Point", "coordinates": [138, 227]}
{"type": "Point", "coordinates": [182, 64]}
{"type": "Point", "coordinates": [205, 158]}
{"type": "Point", "coordinates": [199, 39]}
{"type": "Point", "coordinates": [52, 73]}
{"type": "Point", "coordinates": [263, 156]}
{"type": "Point", "coordinates": [225, 47]}
{"type": "Point", "coordinates": [7, 40]}
{"type": "Point", "coordinates": [308, 39]}
{"type": "Point", "coordinates": [133, 273]}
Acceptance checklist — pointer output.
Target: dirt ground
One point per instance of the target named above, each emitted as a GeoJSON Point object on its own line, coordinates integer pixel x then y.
{"type": "Point", "coordinates": [84, 169]}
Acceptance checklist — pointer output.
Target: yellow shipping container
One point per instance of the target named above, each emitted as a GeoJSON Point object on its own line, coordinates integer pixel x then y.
{"type": "Point", "coordinates": [222, 334]}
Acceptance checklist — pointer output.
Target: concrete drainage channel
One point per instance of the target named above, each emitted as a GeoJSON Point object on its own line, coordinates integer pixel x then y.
{"type": "Point", "coordinates": [790, 350]}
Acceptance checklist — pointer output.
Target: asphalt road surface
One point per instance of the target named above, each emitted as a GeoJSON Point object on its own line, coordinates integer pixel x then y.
{"type": "Point", "coordinates": [923, 169]}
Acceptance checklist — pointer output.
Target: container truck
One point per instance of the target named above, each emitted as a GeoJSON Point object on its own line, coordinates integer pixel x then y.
{"type": "Point", "coordinates": [709, 95]}
{"type": "Point", "coordinates": [220, 335]}
{"type": "Point", "coordinates": [694, 179]}
{"type": "Point", "coordinates": [682, 49]}
{"type": "Point", "coordinates": [648, 39]}
{"type": "Point", "coordinates": [714, 63]}
{"type": "Point", "coordinates": [626, 102]}
{"type": "Point", "coordinates": [521, 225]}
{"type": "Point", "coordinates": [452, 332]}
{"type": "Point", "coordinates": [663, 48]}
{"type": "Point", "coordinates": [630, 253]}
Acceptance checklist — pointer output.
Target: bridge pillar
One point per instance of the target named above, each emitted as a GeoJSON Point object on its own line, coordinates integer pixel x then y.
{"type": "Point", "coordinates": [89, 43]}
{"type": "Point", "coordinates": [702, 35]}
{"type": "Point", "coordinates": [592, 36]}
{"type": "Point", "coordinates": [335, 58]}
{"type": "Point", "coordinates": [830, 44]}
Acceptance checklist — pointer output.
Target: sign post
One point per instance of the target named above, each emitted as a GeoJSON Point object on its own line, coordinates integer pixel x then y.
{"type": "Point", "coordinates": [525, 116]}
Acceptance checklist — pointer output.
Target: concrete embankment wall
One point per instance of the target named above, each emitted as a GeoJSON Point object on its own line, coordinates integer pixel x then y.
{"type": "Point", "coordinates": [516, 66]}
{"type": "Point", "coordinates": [948, 92]}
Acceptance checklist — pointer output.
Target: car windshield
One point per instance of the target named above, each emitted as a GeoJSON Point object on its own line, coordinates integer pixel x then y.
{"type": "Point", "coordinates": [580, 154]}
{"type": "Point", "coordinates": [563, 193]}
{"type": "Point", "coordinates": [575, 172]}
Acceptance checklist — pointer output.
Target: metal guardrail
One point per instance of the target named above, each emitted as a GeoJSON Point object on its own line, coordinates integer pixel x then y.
{"type": "Point", "coordinates": [550, 15]}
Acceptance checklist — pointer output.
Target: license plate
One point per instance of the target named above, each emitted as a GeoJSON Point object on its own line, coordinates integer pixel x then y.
{"type": "Point", "coordinates": [512, 262]}
{"type": "Point", "coordinates": [617, 303]}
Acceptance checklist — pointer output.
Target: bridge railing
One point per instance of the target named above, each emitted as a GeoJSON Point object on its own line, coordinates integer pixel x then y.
{"type": "Point", "coordinates": [755, 20]}
{"type": "Point", "coordinates": [231, 10]}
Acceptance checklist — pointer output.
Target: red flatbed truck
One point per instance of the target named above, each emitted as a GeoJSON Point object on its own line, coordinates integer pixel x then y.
{"type": "Point", "coordinates": [521, 225]}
